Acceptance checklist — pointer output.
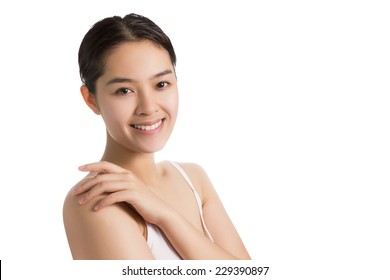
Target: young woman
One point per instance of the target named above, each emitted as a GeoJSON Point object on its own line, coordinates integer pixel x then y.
{"type": "Point", "coordinates": [129, 206]}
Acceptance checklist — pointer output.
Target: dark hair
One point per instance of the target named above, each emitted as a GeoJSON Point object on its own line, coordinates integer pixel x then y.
{"type": "Point", "coordinates": [109, 33]}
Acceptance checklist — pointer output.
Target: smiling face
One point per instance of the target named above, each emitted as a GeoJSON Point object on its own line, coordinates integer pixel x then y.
{"type": "Point", "coordinates": [137, 96]}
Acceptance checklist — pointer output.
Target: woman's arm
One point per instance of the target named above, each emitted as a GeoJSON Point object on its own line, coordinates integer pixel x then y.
{"type": "Point", "coordinates": [192, 244]}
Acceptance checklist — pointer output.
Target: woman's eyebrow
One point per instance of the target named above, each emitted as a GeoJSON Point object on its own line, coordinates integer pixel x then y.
{"type": "Point", "coordinates": [119, 80]}
{"type": "Point", "coordinates": [163, 73]}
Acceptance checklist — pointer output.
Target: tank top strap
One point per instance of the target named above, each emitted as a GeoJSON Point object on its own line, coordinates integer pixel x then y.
{"type": "Point", "coordinates": [197, 197]}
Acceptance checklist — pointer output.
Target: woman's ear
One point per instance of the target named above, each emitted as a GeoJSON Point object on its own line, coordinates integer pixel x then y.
{"type": "Point", "coordinates": [89, 99]}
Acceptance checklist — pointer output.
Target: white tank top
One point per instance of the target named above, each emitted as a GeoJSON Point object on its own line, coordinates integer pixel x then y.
{"type": "Point", "coordinates": [158, 243]}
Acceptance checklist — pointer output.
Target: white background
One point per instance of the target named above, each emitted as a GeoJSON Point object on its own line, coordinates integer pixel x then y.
{"type": "Point", "coordinates": [284, 103]}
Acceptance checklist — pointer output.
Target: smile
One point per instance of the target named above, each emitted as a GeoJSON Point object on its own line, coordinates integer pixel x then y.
{"type": "Point", "coordinates": [147, 127]}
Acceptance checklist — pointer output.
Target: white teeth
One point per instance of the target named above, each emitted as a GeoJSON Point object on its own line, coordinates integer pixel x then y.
{"type": "Point", "coordinates": [148, 127]}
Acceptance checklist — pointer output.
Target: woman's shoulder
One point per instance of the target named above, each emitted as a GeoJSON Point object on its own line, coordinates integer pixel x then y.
{"type": "Point", "coordinates": [191, 167]}
{"type": "Point", "coordinates": [197, 174]}
{"type": "Point", "coordinates": [75, 211]}
{"type": "Point", "coordinates": [85, 228]}
{"type": "Point", "coordinates": [193, 170]}
{"type": "Point", "coordinates": [73, 207]}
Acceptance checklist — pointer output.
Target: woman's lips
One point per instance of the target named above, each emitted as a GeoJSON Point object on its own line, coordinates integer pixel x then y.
{"type": "Point", "coordinates": [148, 126]}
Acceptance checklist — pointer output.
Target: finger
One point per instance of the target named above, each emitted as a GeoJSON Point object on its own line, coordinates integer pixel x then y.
{"type": "Point", "coordinates": [103, 167]}
{"type": "Point", "coordinates": [86, 185]}
{"type": "Point", "coordinates": [83, 185]}
{"type": "Point", "coordinates": [81, 182]}
{"type": "Point", "coordinates": [120, 196]}
{"type": "Point", "coordinates": [104, 187]}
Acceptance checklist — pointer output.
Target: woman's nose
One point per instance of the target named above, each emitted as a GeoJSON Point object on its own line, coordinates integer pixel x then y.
{"type": "Point", "coordinates": [147, 104]}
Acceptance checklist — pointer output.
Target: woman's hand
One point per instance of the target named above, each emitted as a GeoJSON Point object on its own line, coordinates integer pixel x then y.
{"type": "Point", "coordinates": [120, 185]}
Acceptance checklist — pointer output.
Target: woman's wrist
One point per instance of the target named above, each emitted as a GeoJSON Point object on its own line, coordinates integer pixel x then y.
{"type": "Point", "coordinates": [167, 218]}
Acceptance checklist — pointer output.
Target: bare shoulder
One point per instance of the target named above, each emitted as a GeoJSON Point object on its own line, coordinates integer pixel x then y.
{"type": "Point", "coordinates": [110, 233]}
{"type": "Point", "coordinates": [194, 170]}
{"type": "Point", "coordinates": [198, 177]}
{"type": "Point", "coordinates": [73, 211]}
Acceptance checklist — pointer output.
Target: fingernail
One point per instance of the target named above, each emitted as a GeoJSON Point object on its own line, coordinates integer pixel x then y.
{"type": "Point", "coordinates": [82, 200]}
{"type": "Point", "coordinates": [82, 167]}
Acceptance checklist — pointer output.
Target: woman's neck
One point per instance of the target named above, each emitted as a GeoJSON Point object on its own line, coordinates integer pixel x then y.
{"type": "Point", "coordinates": [143, 165]}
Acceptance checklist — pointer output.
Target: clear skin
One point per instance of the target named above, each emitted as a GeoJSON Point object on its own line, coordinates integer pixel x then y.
{"type": "Point", "coordinates": [139, 88]}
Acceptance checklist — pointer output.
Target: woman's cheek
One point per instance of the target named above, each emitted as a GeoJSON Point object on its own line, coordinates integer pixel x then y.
{"type": "Point", "coordinates": [116, 114]}
{"type": "Point", "coordinates": [171, 101]}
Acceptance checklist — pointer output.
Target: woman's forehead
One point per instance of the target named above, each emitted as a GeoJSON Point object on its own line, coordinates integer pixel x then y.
{"type": "Point", "coordinates": [137, 58]}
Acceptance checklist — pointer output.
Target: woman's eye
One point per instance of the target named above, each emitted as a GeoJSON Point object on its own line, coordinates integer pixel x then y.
{"type": "Point", "coordinates": [162, 85]}
{"type": "Point", "coordinates": [123, 91]}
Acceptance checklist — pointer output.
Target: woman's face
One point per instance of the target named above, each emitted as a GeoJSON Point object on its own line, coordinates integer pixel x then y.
{"type": "Point", "coordinates": [137, 96]}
